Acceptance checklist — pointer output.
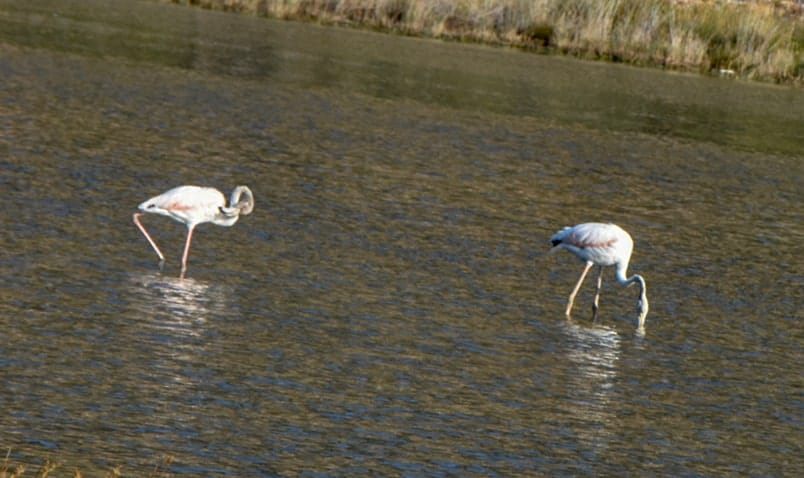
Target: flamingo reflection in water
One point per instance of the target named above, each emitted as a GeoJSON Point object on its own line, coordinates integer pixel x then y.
{"type": "Point", "coordinates": [194, 205]}
{"type": "Point", "coordinates": [602, 245]}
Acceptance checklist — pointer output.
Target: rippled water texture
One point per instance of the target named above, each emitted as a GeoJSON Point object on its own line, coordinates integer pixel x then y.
{"type": "Point", "coordinates": [389, 309]}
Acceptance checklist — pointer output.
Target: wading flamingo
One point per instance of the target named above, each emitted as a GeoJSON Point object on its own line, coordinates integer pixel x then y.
{"type": "Point", "coordinates": [194, 205]}
{"type": "Point", "coordinates": [601, 245]}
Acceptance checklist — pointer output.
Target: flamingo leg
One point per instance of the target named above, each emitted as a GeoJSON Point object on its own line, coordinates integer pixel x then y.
{"type": "Point", "coordinates": [597, 293]}
{"type": "Point", "coordinates": [577, 287]}
{"type": "Point", "coordinates": [148, 236]}
{"type": "Point", "coordinates": [186, 251]}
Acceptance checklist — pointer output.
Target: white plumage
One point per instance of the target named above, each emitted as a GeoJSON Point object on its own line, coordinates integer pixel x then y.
{"type": "Point", "coordinates": [194, 205]}
{"type": "Point", "coordinates": [601, 245]}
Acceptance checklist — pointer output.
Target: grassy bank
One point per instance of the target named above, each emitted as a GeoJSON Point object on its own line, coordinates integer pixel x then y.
{"type": "Point", "coordinates": [759, 40]}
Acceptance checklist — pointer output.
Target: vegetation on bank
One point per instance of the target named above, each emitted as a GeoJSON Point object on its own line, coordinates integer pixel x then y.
{"type": "Point", "coordinates": [762, 40]}
{"type": "Point", "coordinates": [45, 469]}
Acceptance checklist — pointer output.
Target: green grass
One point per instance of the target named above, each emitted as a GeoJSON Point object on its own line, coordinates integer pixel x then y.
{"type": "Point", "coordinates": [755, 40]}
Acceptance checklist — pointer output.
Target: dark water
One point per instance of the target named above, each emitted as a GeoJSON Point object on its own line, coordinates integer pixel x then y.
{"type": "Point", "coordinates": [389, 308]}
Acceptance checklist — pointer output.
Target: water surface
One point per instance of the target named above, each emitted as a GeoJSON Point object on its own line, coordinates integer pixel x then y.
{"type": "Point", "coordinates": [389, 309]}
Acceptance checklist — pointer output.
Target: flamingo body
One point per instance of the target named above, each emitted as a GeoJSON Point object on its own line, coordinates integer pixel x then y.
{"type": "Point", "coordinates": [194, 205]}
{"type": "Point", "coordinates": [601, 245]}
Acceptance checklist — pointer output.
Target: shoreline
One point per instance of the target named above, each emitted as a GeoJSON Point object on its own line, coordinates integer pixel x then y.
{"type": "Point", "coordinates": [755, 40]}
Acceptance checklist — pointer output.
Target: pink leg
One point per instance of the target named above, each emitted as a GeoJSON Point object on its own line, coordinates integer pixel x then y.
{"type": "Point", "coordinates": [597, 293]}
{"type": "Point", "coordinates": [186, 251]}
{"type": "Point", "coordinates": [577, 287]}
{"type": "Point", "coordinates": [148, 236]}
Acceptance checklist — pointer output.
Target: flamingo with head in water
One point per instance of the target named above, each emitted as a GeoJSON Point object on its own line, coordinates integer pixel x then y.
{"type": "Point", "coordinates": [601, 245]}
{"type": "Point", "coordinates": [194, 205]}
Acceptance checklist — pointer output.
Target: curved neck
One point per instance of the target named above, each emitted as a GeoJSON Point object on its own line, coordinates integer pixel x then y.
{"type": "Point", "coordinates": [636, 278]}
{"type": "Point", "coordinates": [240, 202]}
{"type": "Point", "coordinates": [242, 199]}
{"type": "Point", "coordinates": [643, 292]}
{"type": "Point", "coordinates": [642, 303]}
{"type": "Point", "coordinates": [621, 268]}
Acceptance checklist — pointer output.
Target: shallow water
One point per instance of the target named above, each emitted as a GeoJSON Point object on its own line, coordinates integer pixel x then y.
{"type": "Point", "coordinates": [389, 309]}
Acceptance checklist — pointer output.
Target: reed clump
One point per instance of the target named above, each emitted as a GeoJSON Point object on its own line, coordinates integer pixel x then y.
{"type": "Point", "coordinates": [761, 40]}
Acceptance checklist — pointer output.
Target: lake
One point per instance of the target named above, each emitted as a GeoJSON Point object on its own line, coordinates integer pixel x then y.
{"type": "Point", "coordinates": [390, 307]}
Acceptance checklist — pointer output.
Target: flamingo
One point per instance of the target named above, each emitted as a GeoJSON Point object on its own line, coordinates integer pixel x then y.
{"type": "Point", "coordinates": [601, 245]}
{"type": "Point", "coordinates": [194, 205]}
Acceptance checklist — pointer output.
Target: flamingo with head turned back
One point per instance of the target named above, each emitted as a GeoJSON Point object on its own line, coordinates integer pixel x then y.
{"type": "Point", "coordinates": [194, 205]}
{"type": "Point", "coordinates": [601, 245]}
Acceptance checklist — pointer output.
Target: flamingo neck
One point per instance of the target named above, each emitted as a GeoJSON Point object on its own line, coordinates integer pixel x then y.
{"type": "Point", "coordinates": [246, 204]}
{"type": "Point", "coordinates": [241, 202]}
{"type": "Point", "coordinates": [227, 217]}
{"type": "Point", "coordinates": [642, 303]}
{"type": "Point", "coordinates": [621, 278]}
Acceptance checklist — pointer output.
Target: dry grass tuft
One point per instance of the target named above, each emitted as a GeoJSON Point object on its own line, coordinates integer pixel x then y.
{"type": "Point", "coordinates": [759, 40]}
{"type": "Point", "coordinates": [161, 469]}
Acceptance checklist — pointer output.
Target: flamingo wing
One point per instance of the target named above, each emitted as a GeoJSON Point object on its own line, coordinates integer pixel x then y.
{"type": "Point", "coordinates": [188, 204]}
{"type": "Point", "coordinates": [587, 235]}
